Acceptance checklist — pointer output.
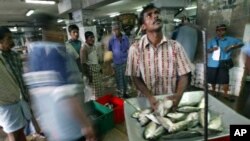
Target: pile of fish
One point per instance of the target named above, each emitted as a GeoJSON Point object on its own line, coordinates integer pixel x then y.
{"type": "Point", "coordinates": [187, 121]}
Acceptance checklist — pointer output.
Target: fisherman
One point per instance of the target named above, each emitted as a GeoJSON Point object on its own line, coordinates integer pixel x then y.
{"type": "Point", "coordinates": [155, 62]}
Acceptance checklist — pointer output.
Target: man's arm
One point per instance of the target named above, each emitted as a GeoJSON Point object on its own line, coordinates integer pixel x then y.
{"type": "Point", "coordinates": [181, 86]}
{"type": "Point", "coordinates": [140, 85]}
{"type": "Point", "coordinates": [235, 46]}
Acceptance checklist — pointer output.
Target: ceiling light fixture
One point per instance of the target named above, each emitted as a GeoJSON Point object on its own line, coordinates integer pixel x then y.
{"type": "Point", "coordinates": [114, 14]}
{"type": "Point", "coordinates": [139, 9]}
{"type": "Point", "coordinates": [191, 7]}
{"type": "Point", "coordinates": [59, 20]}
{"type": "Point", "coordinates": [40, 2]}
{"type": "Point", "coordinates": [30, 12]}
{"type": "Point", "coordinates": [13, 29]}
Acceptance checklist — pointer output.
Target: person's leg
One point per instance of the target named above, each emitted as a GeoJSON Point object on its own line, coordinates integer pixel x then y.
{"type": "Point", "coordinates": [17, 135]}
{"type": "Point", "coordinates": [124, 82]}
{"type": "Point", "coordinates": [224, 81]}
{"type": "Point", "coordinates": [211, 78]}
{"type": "Point", "coordinates": [118, 78]}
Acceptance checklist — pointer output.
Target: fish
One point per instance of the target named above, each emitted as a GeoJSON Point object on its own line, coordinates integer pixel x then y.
{"type": "Point", "coordinates": [152, 118]}
{"type": "Point", "coordinates": [143, 120]}
{"type": "Point", "coordinates": [191, 98]}
{"type": "Point", "coordinates": [176, 116]}
{"type": "Point", "coordinates": [181, 125]}
{"type": "Point", "coordinates": [150, 130]}
{"type": "Point", "coordinates": [159, 131]}
{"type": "Point", "coordinates": [188, 109]}
{"type": "Point", "coordinates": [215, 124]}
{"type": "Point", "coordinates": [168, 104]}
{"type": "Point", "coordinates": [202, 103]}
{"type": "Point", "coordinates": [136, 114]}
{"type": "Point", "coordinates": [165, 122]}
{"type": "Point", "coordinates": [201, 117]}
{"type": "Point", "coordinates": [146, 111]}
{"type": "Point", "coordinates": [181, 135]}
{"type": "Point", "coordinates": [193, 118]}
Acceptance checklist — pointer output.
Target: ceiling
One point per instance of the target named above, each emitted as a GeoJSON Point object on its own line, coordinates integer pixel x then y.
{"type": "Point", "coordinates": [12, 12]}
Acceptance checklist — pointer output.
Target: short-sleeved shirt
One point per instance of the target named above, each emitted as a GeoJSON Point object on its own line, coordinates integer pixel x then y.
{"type": "Point", "coordinates": [222, 43]}
{"type": "Point", "coordinates": [119, 49]}
{"type": "Point", "coordinates": [160, 66]}
{"type": "Point", "coordinates": [89, 54]}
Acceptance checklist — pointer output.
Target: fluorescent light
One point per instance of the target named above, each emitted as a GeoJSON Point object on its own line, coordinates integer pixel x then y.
{"type": "Point", "coordinates": [59, 20]}
{"type": "Point", "coordinates": [177, 20]}
{"type": "Point", "coordinates": [13, 29]}
{"type": "Point", "coordinates": [191, 7]}
{"type": "Point", "coordinates": [30, 12]}
{"type": "Point", "coordinates": [139, 9]}
{"type": "Point", "coordinates": [39, 28]}
{"type": "Point", "coordinates": [114, 14]}
{"type": "Point", "coordinates": [40, 2]}
{"type": "Point", "coordinates": [94, 20]}
{"type": "Point", "coordinates": [64, 27]}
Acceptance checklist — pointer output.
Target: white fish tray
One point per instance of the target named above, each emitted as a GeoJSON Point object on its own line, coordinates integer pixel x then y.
{"type": "Point", "coordinates": [135, 131]}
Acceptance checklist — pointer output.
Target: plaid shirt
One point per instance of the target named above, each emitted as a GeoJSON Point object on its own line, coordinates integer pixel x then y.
{"type": "Point", "coordinates": [14, 63]}
{"type": "Point", "coordinates": [158, 67]}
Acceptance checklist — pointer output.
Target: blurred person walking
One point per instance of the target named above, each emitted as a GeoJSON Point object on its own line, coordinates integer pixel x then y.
{"type": "Point", "coordinates": [56, 89]}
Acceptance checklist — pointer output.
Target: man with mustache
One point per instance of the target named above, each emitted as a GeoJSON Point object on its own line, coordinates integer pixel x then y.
{"type": "Point", "coordinates": [155, 62]}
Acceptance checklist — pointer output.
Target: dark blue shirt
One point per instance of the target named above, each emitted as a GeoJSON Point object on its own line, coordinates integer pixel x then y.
{"type": "Point", "coordinates": [119, 49]}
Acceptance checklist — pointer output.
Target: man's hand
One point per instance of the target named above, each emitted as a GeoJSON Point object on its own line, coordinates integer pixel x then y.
{"type": "Point", "coordinates": [176, 99]}
{"type": "Point", "coordinates": [89, 133]}
{"type": "Point", "coordinates": [153, 102]}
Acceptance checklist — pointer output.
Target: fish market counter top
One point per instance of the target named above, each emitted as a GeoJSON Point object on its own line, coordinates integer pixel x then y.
{"type": "Point", "coordinates": [135, 131]}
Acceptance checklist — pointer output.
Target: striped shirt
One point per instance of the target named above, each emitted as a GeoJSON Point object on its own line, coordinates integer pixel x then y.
{"type": "Point", "coordinates": [160, 66]}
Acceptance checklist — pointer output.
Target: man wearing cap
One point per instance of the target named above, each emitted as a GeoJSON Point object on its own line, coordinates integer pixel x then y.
{"type": "Point", "coordinates": [220, 48]}
{"type": "Point", "coordinates": [90, 60]}
{"type": "Point", "coordinates": [119, 45]}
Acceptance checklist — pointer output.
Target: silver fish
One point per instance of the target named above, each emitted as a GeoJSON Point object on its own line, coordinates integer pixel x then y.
{"type": "Point", "coordinates": [136, 114]}
{"type": "Point", "coordinates": [188, 109]}
{"type": "Point", "coordinates": [176, 116]}
{"type": "Point", "coordinates": [201, 117]}
{"type": "Point", "coordinates": [143, 120]}
{"type": "Point", "coordinates": [146, 111]}
{"type": "Point", "coordinates": [202, 103]}
{"type": "Point", "coordinates": [150, 130]}
{"type": "Point", "coordinates": [180, 135]}
{"type": "Point", "coordinates": [191, 98]}
{"type": "Point", "coordinates": [159, 131]}
{"type": "Point", "coordinates": [166, 122]}
{"type": "Point", "coordinates": [152, 118]}
{"type": "Point", "coordinates": [215, 124]}
{"type": "Point", "coordinates": [193, 118]}
{"type": "Point", "coordinates": [182, 125]}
